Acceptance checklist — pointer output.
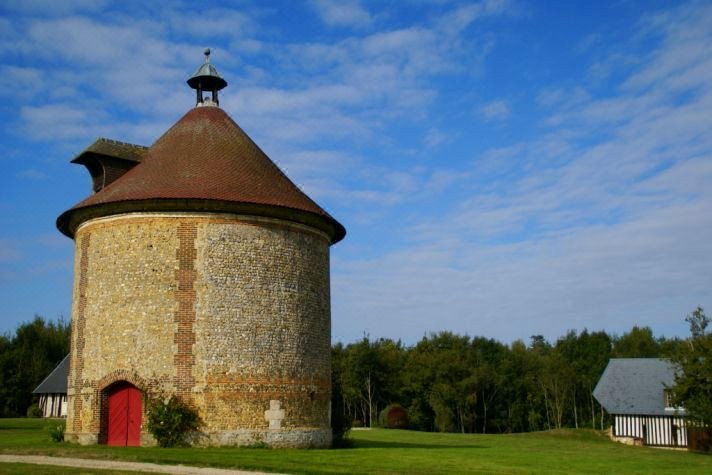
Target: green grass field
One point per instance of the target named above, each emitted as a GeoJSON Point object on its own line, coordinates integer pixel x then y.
{"type": "Point", "coordinates": [392, 451]}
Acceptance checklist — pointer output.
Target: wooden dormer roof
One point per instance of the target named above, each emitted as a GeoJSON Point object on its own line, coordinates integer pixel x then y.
{"type": "Point", "coordinates": [106, 160]}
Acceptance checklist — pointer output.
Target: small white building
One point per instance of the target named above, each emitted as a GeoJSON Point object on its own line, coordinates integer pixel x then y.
{"type": "Point", "coordinates": [634, 392]}
{"type": "Point", "coordinates": [53, 391]}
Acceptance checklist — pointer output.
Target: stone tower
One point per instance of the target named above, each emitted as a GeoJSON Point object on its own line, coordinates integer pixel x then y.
{"type": "Point", "coordinates": [201, 271]}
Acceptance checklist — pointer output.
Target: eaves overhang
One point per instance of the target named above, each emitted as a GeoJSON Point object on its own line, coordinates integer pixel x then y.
{"type": "Point", "coordinates": [69, 221]}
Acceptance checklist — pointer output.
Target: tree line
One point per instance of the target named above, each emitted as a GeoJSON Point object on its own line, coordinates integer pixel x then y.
{"type": "Point", "coordinates": [457, 383]}
{"type": "Point", "coordinates": [445, 382]}
{"type": "Point", "coordinates": [26, 359]}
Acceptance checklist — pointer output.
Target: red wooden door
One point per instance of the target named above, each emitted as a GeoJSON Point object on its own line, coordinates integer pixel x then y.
{"type": "Point", "coordinates": [124, 416]}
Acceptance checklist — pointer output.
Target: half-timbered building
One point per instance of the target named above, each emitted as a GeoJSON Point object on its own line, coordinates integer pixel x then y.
{"type": "Point", "coordinates": [52, 391]}
{"type": "Point", "coordinates": [635, 393]}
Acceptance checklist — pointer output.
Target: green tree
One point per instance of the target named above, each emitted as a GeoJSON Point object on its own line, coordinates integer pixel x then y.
{"type": "Point", "coordinates": [520, 396]}
{"type": "Point", "coordinates": [486, 383]}
{"type": "Point", "coordinates": [26, 358]}
{"type": "Point", "coordinates": [437, 382]}
{"type": "Point", "coordinates": [418, 378]}
{"type": "Point", "coordinates": [588, 355]}
{"type": "Point", "coordinates": [557, 383]}
{"type": "Point", "coordinates": [693, 384]}
{"type": "Point", "coordinates": [341, 418]}
{"type": "Point", "coordinates": [451, 393]}
{"type": "Point", "coordinates": [639, 342]}
{"type": "Point", "coordinates": [370, 377]}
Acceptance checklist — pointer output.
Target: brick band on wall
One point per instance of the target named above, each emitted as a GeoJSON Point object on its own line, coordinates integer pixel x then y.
{"type": "Point", "coordinates": [77, 360]}
{"type": "Point", "coordinates": [184, 336]}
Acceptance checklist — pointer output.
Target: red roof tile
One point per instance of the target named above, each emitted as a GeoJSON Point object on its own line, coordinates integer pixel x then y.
{"type": "Point", "coordinates": [204, 162]}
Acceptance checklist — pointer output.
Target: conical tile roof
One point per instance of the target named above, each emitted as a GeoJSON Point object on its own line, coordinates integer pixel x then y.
{"type": "Point", "coordinates": [205, 162]}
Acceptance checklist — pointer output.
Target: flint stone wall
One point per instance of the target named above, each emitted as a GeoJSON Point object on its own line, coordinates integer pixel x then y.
{"type": "Point", "coordinates": [230, 313]}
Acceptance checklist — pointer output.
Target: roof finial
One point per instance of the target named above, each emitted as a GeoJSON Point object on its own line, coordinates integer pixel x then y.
{"type": "Point", "coordinates": [206, 78]}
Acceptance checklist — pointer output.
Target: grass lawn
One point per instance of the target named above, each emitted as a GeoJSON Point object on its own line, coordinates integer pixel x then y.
{"type": "Point", "coordinates": [392, 451]}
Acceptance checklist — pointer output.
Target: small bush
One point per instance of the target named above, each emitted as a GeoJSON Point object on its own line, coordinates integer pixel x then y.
{"type": "Point", "coordinates": [57, 433]}
{"type": "Point", "coordinates": [170, 421]}
{"type": "Point", "coordinates": [34, 411]}
{"type": "Point", "coordinates": [394, 416]}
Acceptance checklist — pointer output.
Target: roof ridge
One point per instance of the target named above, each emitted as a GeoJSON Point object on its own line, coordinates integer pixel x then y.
{"type": "Point", "coordinates": [120, 142]}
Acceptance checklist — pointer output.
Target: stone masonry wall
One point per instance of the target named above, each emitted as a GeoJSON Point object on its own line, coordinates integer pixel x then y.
{"type": "Point", "coordinates": [231, 313]}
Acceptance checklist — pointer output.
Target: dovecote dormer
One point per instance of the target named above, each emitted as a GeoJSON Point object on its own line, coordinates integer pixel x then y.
{"type": "Point", "coordinates": [107, 160]}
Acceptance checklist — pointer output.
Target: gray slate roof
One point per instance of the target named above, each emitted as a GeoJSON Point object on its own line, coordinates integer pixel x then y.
{"type": "Point", "coordinates": [56, 382]}
{"type": "Point", "coordinates": [636, 386]}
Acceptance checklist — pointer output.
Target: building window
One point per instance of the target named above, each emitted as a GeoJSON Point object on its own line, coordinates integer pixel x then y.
{"type": "Point", "coordinates": [668, 399]}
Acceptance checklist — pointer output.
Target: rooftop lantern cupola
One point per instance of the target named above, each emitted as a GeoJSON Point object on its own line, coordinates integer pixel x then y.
{"type": "Point", "coordinates": [206, 78]}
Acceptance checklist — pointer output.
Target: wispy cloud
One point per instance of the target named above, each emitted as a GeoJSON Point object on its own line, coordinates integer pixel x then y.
{"type": "Point", "coordinates": [596, 224]}
{"type": "Point", "coordinates": [497, 110]}
{"type": "Point", "coordinates": [98, 60]}
{"type": "Point", "coordinates": [434, 137]}
{"type": "Point", "coordinates": [9, 250]}
{"type": "Point", "coordinates": [52, 8]}
{"type": "Point", "coordinates": [573, 200]}
{"type": "Point", "coordinates": [453, 22]}
{"type": "Point", "coordinates": [32, 174]}
{"type": "Point", "coordinates": [342, 12]}
{"type": "Point", "coordinates": [212, 23]}
{"type": "Point", "coordinates": [30, 79]}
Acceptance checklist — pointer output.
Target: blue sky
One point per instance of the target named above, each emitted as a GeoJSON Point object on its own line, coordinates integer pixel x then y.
{"type": "Point", "coordinates": [503, 168]}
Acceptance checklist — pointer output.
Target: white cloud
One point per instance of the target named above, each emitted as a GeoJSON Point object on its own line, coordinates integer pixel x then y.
{"type": "Point", "coordinates": [683, 61]}
{"type": "Point", "coordinates": [455, 21]}
{"type": "Point", "coordinates": [20, 81]}
{"type": "Point", "coordinates": [497, 110]}
{"type": "Point", "coordinates": [597, 277]}
{"type": "Point", "coordinates": [354, 86]}
{"type": "Point", "coordinates": [212, 23]}
{"type": "Point", "coordinates": [97, 65]}
{"type": "Point", "coordinates": [440, 180]}
{"type": "Point", "coordinates": [566, 99]}
{"type": "Point", "coordinates": [434, 137]}
{"type": "Point", "coordinates": [56, 121]}
{"type": "Point", "coordinates": [271, 100]}
{"type": "Point", "coordinates": [325, 90]}
{"type": "Point", "coordinates": [87, 42]}
{"type": "Point", "coordinates": [342, 12]}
